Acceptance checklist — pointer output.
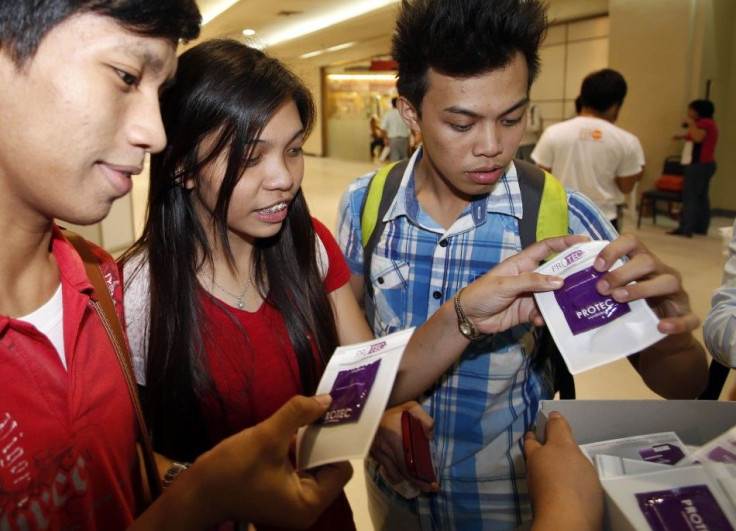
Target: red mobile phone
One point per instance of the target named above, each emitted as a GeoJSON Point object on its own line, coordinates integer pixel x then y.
{"type": "Point", "coordinates": [416, 448]}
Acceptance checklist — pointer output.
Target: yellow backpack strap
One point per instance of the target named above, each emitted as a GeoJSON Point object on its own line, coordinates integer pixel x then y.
{"type": "Point", "coordinates": [553, 214]}
{"type": "Point", "coordinates": [371, 203]}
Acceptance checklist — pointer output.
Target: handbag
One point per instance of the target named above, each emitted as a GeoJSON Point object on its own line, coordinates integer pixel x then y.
{"type": "Point", "coordinates": [105, 308]}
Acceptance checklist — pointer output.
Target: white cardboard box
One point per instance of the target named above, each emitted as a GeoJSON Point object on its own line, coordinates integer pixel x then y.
{"type": "Point", "coordinates": [696, 422]}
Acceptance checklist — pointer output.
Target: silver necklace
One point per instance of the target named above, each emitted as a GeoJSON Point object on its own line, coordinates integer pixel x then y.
{"type": "Point", "coordinates": [239, 298]}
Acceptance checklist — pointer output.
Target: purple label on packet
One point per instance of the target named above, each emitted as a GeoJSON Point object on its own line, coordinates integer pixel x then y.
{"type": "Point", "coordinates": [685, 508]}
{"type": "Point", "coordinates": [665, 454]}
{"type": "Point", "coordinates": [720, 454]}
{"type": "Point", "coordinates": [349, 393]}
{"type": "Point", "coordinates": [583, 307]}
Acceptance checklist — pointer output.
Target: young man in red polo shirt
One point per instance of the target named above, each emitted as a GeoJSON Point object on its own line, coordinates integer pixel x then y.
{"type": "Point", "coordinates": [79, 89]}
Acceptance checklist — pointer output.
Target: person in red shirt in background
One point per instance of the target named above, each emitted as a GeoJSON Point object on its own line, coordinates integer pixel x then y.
{"type": "Point", "coordinates": [700, 165]}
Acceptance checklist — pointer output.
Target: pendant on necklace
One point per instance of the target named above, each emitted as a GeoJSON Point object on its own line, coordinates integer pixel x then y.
{"type": "Point", "coordinates": [241, 304]}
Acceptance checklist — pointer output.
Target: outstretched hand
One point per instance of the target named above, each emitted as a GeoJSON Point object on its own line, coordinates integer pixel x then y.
{"type": "Point", "coordinates": [657, 282]}
{"type": "Point", "coordinates": [257, 481]}
{"type": "Point", "coordinates": [249, 477]}
{"type": "Point", "coordinates": [676, 366]}
{"type": "Point", "coordinates": [563, 484]}
{"type": "Point", "coordinates": [503, 297]}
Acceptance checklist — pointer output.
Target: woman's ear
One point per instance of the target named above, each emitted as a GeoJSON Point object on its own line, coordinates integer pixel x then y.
{"type": "Point", "coordinates": [409, 113]}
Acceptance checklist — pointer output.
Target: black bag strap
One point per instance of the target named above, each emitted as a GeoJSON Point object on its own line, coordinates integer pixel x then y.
{"type": "Point", "coordinates": [531, 184]}
{"type": "Point", "coordinates": [106, 311]}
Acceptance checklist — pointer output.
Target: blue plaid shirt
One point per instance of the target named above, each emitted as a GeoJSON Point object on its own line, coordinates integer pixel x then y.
{"type": "Point", "coordinates": [485, 403]}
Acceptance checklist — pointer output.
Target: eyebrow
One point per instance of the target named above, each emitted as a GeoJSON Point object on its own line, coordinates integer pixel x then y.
{"type": "Point", "coordinates": [454, 109]}
{"type": "Point", "coordinates": [261, 141]}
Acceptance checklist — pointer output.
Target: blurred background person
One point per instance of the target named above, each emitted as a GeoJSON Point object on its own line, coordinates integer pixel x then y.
{"type": "Point", "coordinates": [589, 152]}
{"type": "Point", "coordinates": [700, 165]}
{"type": "Point", "coordinates": [397, 133]}
{"type": "Point", "coordinates": [376, 138]}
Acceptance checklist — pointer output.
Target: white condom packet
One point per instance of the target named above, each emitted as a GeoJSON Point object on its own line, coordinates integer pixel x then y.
{"type": "Point", "coordinates": [359, 378]}
{"type": "Point", "coordinates": [591, 329]}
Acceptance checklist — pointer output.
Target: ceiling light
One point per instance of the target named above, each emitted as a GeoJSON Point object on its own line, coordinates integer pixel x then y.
{"type": "Point", "coordinates": [326, 50]}
{"type": "Point", "coordinates": [249, 32]}
{"type": "Point", "coordinates": [310, 25]}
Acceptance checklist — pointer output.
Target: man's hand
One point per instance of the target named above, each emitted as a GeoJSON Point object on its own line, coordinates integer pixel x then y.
{"type": "Point", "coordinates": [563, 484]}
{"type": "Point", "coordinates": [503, 297]}
{"type": "Point", "coordinates": [388, 449]}
{"type": "Point", "coordinates": [249, 477]}
{"type": "Point", "coordinates": [675, 367]}
{"type": "Point", "coordinates": [497, 301]}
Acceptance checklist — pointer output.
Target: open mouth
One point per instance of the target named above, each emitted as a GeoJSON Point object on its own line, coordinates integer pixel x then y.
{"type": "Point", "coordinates": [278, 207]}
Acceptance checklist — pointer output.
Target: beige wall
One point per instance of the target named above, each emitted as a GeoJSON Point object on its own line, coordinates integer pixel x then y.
{"type": "Point", "coordinates": [719, 65]}
{"type": "Point", "coordinates": [666, 51]}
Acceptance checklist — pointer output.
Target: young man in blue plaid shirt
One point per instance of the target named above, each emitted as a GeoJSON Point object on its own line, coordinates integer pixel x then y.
{"type": "Point", "coordinates": [465, 69]}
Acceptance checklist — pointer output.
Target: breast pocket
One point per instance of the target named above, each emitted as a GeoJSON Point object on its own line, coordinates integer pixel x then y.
{"type": "Point", "coordinates": [390, 283]}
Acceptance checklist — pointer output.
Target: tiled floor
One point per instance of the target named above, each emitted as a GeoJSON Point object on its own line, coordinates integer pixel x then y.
{"type": "Point", "coordinates": [700, 260]}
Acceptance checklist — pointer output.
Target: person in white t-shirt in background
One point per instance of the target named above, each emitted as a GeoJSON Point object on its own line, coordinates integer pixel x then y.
{"type": "Point", "coordinates": [589, 153]}
{"type": "Point", "coordinates": [397, 132]}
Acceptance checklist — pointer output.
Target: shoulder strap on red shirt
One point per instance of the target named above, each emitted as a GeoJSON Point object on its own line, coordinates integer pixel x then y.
{"type": "Point", "coordinates": [106, 310]}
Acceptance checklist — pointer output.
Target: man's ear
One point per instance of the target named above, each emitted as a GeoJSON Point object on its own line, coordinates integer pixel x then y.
{"type": "Point", "coordinates": [409, 113]}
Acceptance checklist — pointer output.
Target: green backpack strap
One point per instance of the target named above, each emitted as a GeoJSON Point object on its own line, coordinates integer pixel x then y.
{"type": "Point", "coordinates": [545, 204]}
{"type": "Point", "coordinates": [381, 191]}
{"type": "Point", "coordinates": [371, 202]}
{"type": "Point", "coordinates": [552, 219]}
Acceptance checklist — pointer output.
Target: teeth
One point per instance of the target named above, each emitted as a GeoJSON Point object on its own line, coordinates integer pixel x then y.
{"type": "Point", "coordinates": [275, 208]}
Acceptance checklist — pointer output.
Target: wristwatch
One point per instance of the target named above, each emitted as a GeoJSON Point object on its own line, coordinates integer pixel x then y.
{"type": "Point", "coordinates": [463, 323]}
{"type": "Point", "coordinates": [173, 472]}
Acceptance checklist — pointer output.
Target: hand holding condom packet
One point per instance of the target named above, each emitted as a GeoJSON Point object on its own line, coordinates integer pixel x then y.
{"type": "Point", "coordinates": [591, 329]}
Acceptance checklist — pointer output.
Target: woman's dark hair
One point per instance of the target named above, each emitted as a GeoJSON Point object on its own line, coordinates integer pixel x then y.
{"type": "Point", "coordinates": [24, 23]}
{"type": "Point", "coordinates": [227, 93]}
{"type": "Point", "coordinates": [463, 38]}
{"type": "Point", "coordinates": [704, 108]}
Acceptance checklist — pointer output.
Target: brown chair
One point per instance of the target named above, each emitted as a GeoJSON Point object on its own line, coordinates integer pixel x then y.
{"type": "Point", "coordinates": [671, 171]}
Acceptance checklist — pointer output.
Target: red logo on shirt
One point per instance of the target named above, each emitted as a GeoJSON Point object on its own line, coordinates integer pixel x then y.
{"type": "Point", "coordinates": [35, 487]}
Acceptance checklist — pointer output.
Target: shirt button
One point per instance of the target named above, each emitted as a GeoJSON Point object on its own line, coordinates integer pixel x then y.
{"type": "Point", "coordinates": [437, 295]}
{"type": "Point", "coordinates": [444, 243]}
{"type": "Point", "coordinates": [380, 280]}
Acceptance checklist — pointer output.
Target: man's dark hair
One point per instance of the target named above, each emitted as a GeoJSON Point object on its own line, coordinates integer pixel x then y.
{"type": "Point", "coordinates": [463, 38]}
{"type": "Point", "coordinates": [578, 105]}
{"type": "Point", "coordinates": [24, 23]}
{"type": "Point", "coordinates": [704, 108]}
{"type": "Point", "coordinates": [603, 89]}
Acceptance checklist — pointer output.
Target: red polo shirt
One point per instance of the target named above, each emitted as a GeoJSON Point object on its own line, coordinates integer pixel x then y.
{"type": "Point", "coordinates": [67, 437]}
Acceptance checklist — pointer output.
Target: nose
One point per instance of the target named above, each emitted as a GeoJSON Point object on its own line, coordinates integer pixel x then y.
{"type": "Point", "coordinates": [488, 143]}
{"type": "Point", "coordinates": [281, 173]}
{"type": "Point", "coordinates": [146, 129]}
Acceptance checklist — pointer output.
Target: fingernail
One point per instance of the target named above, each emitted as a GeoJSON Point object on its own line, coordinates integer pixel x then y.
{"type": "Point", "coordinates": [324, 399]}
{"type": "Point", "coordinates": [666, 326]}
{"type": "Point", "coordinates": [621, 294]}
{"type": "Point", "coordinates": [603, 287]}
{"type": "Point", "coordinates": [555, 282]}
{"type": "Point", "coordinates": [599, 264]}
